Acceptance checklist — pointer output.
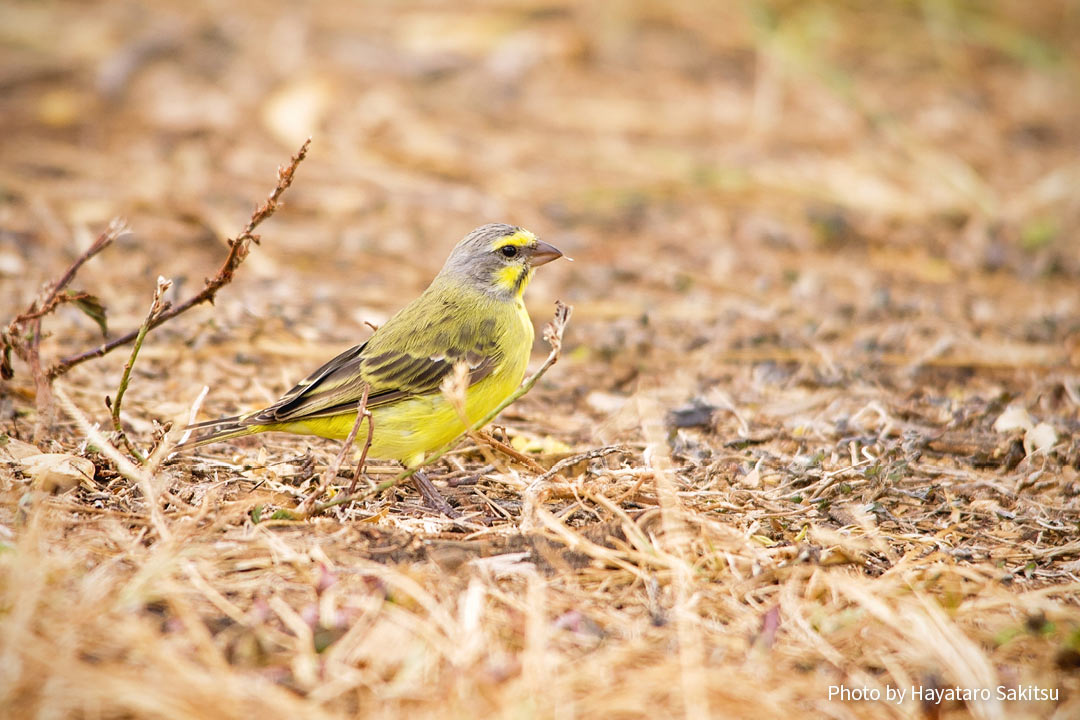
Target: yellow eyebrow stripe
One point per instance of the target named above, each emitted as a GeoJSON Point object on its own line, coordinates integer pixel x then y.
{"type": "Point", "coordinates": [520, 238]}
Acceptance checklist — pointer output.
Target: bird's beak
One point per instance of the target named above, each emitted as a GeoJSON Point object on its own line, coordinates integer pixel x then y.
{"type": "Point", "coordinates": [544, 253]}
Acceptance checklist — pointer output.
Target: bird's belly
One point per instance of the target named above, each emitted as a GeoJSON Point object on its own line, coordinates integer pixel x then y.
{"type": "Point", "coordinates": [415, 427]}
{"type": "Point", "coordinates": [408, 429]}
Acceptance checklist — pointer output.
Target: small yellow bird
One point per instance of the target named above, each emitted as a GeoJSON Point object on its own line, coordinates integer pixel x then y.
{"type": "Point", "coordinates": [472, 313]}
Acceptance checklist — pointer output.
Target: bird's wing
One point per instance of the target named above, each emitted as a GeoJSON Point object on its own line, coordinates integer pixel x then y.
{"type": "Point", "coordinates": [406, 357]}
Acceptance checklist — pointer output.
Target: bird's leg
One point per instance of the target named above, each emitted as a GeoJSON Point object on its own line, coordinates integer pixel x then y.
{"type": "Point", "coordinates": [432, 496]}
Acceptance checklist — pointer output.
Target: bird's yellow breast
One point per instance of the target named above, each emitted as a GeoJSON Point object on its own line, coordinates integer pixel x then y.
{"type": "Point", "coordinates": [409, 429]}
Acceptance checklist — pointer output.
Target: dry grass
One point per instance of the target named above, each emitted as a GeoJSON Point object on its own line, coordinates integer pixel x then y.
{"type": "Point", "coordinates": [821, 252]}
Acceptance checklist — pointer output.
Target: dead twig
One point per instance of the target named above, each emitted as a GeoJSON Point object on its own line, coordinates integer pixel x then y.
{"type": "Point", "coordinates": [56, 301]}
{"type": "Point", "coordinates": [362, 412]}
{"type": "Point", "coordinates": [581, 457]}
{"type": "Point", "coordinates": [553, 335]}
{"type": "Point", "coordinates": [22, 336]}
{"type": "Point", "coordinates": [116, 228]}
{"type": "Point", "coordinates": [238, 251]}
{"type": "Point", "coordinates": [489, 439]}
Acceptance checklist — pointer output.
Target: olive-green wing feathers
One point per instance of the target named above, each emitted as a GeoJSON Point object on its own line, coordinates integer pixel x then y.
{"type": "Point", "coordinates": [408, 356]}
{"type": "Point", "coordinates": [338, 386]}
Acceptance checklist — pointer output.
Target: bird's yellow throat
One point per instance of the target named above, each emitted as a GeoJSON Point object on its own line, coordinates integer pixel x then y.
{"type": "Point", "coordinates": [513, 280]}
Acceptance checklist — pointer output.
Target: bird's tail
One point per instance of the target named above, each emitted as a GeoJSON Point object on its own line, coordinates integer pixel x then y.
{"type": "Point", "coordinates": [220, 429]}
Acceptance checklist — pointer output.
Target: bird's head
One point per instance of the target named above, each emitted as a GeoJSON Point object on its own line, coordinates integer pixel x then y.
{"type": "Point", "coordinates": [499, 259]}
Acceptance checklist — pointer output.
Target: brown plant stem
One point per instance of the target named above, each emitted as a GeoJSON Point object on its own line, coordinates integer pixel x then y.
{"type": "Point", "coordinates": [13, 334]}
{"type": "Point", "coordinates": [238, 251]}
{"type": "Point", "coordinates": [23, 334]}
{"type": "Point", "coordinates": [116, 228]}
{"type": "Point", "coordinates": [508, 450]}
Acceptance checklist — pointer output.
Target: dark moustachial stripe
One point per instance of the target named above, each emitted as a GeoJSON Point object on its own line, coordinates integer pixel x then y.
{"type": "Point", "coordinates": [520, 280]}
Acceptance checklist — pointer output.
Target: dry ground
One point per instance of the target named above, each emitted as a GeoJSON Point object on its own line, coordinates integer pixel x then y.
{"type": "Point", "coordinates": [825, 300]}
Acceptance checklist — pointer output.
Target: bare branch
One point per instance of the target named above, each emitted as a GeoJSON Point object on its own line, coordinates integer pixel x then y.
{"type": "Point", "coordinates": [116, 228]}
{"type": "Point", "coordinates": [582, 457]}
{"type": "Point", "coordinates": [238, 251]}
{"type": "Point", "coordinates": [23, 334]}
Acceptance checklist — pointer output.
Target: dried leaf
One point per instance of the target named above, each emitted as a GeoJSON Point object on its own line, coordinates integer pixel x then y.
{"type": "Point", "coordinates": [295, 111]}
{"type": "Point", "coordinates": [92, 308]}
{"type": "Point", "coordinates": [57, 472]}
{"type": "Point", "coordinates": [751, 479]}
{"type": "Point", "coordinates": [604, 402]}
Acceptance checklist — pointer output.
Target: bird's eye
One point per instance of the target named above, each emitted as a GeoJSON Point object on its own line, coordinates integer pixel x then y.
{"type": "Point", "coordinates": [509, 251]}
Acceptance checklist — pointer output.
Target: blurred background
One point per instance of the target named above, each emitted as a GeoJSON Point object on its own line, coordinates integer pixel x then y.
{"type": "Point", "coordinates": [750, 182]}
{"type": "Point", "coordinates": [705, 163]}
